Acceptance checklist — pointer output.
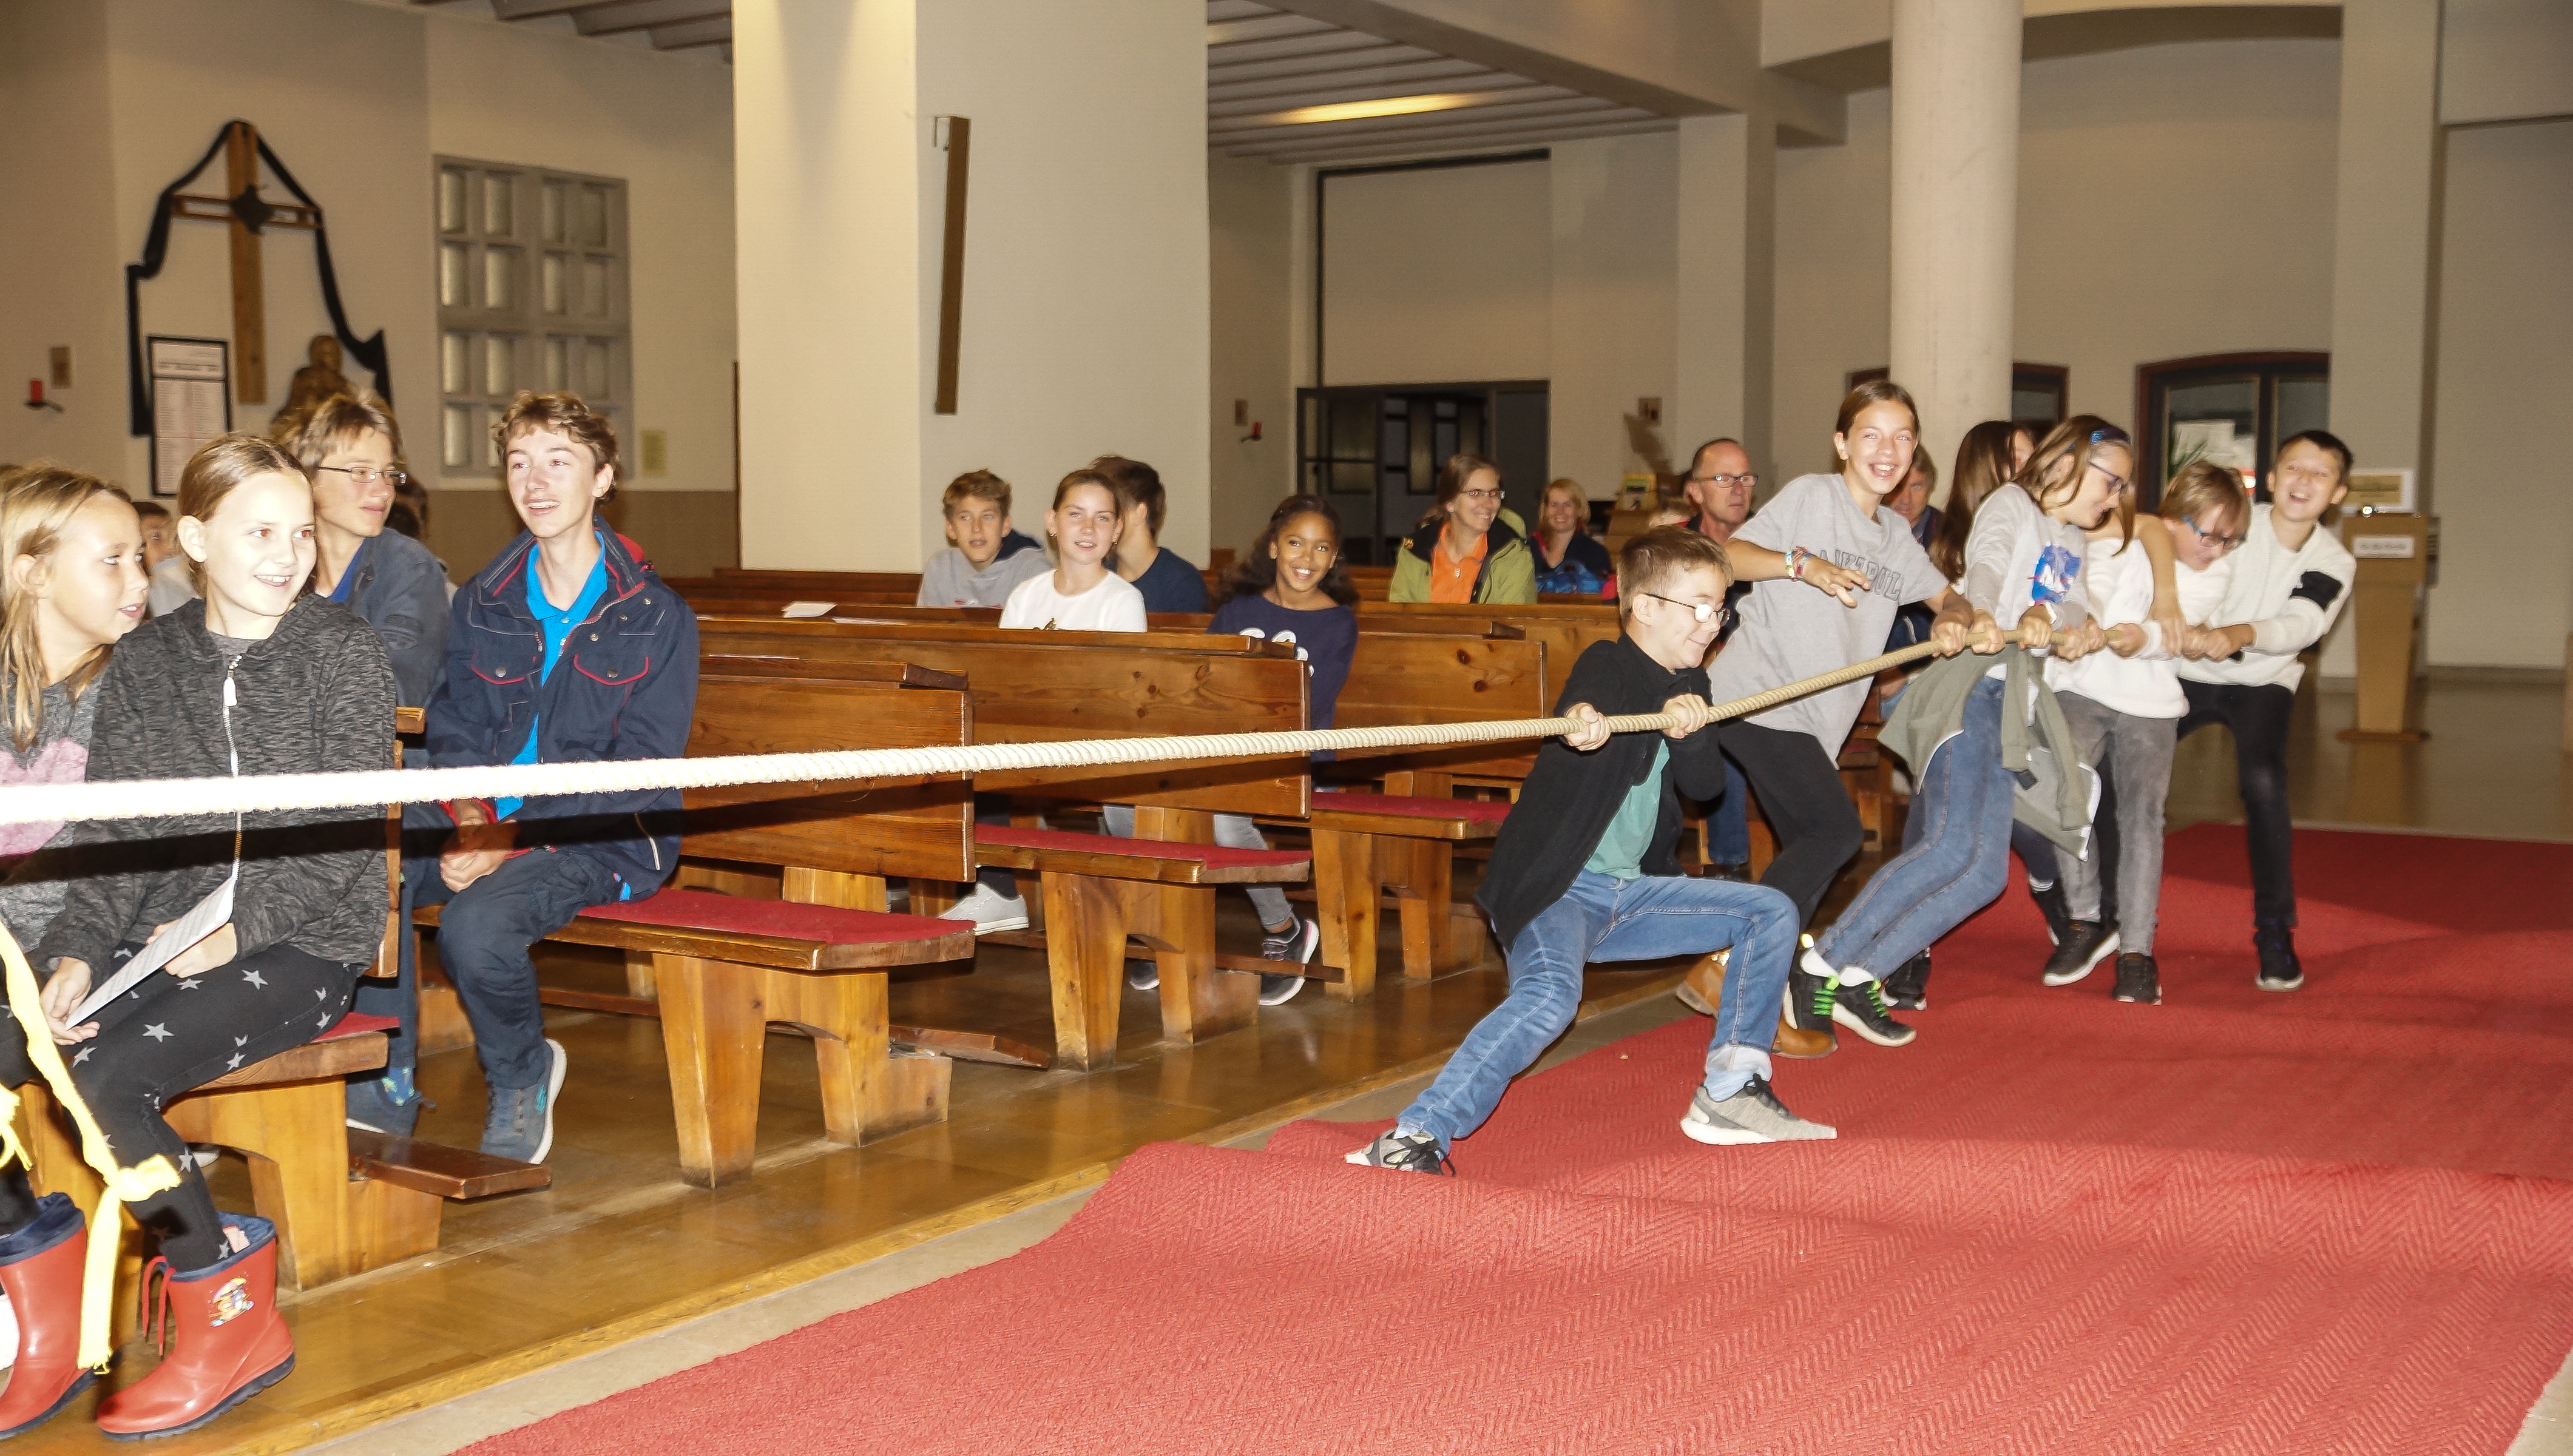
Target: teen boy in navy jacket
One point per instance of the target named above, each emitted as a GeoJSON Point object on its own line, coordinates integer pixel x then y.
{"type": "Point", "coordinates": [565, 650]}
{"type": "Point", "coordinates": [1583, 872]}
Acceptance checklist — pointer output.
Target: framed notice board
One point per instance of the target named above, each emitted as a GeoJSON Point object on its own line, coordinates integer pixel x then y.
{"type": "Point", "coordinates": [191, 402]}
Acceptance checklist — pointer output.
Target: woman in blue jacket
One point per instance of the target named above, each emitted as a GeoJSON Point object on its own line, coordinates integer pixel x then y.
{"type": "Point", "coordinates": [565, 650]}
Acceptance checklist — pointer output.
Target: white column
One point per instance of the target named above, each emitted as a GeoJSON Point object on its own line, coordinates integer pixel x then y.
{"type": "Point", "coordinates": [2385, 226]}
{"type": "Point", "coordinates": [827, 267]}
{"type": "Point", "coordinates": [1955, 150]}
{"type": "Point", "coordinates": [1726, 289]}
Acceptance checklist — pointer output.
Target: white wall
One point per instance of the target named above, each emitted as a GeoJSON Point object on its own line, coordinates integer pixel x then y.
{"type": "Point", "coordinates": [1086, 314]}
{"type": "Point", "coordinates": [355, 100]}
{"type": "Point", "coordinates": [2174, 201]}
{"type": "Point", "coordinates": [1250, 207]}
{"type": "Point", "coordinates": [64, 285]}
{"type": "Point", "coordinates": [1437, 274]}
{"type": "Point", "coordinates": [662, 124]}
{"type": "Point", "coordinates": [2505, 395]}
{"type": "Point", "coordinates": [1610, 339]}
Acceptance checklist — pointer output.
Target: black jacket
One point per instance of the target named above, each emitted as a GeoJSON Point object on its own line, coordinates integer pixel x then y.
{"type": "Point", "coordinates": [315, 696]}
{"type": "Point", "coordinates": [626, 688]}
{"type": "Point", "coordinates": [401, 593]}
{"type": "Point", "coordinates": [1569, 797]}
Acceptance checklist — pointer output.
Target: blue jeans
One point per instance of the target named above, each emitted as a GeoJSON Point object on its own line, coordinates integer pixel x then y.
{"type": "Point", "coordinates": [1728, 823]}
{"type": "Point", "coordinates": [1600, 919]}
{"type": "Point", "coordinates": [1958, 865]}
{"type": "Point", "coordinates": [483, 940]}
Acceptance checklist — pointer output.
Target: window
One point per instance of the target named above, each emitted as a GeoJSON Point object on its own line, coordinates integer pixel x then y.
{"type": "Point", "coordinates": [2231, 409]}
{"type": "Point", "coordinates": [531, 295]}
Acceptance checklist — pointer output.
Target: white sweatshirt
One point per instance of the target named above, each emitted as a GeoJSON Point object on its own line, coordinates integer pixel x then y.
{"type": "Point", "coordinates": [2290, 598]}
{"type": "Point", "coordinates": [2121, 584]}
{"type": "Point", "coordinates": [1114, 605]}
{"type": "Point", "coordinates": [2018, 556]}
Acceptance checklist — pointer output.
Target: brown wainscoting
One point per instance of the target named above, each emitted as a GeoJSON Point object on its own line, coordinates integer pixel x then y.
{"type": "Point", "coordinates": [684, 533]}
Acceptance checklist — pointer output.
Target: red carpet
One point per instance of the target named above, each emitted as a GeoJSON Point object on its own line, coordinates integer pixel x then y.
{"type": "Point", "coordinates": [2339, 1221]}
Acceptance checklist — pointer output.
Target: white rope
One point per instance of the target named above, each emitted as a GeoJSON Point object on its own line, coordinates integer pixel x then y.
{"type": "Point", "coordinates": [178, 798]}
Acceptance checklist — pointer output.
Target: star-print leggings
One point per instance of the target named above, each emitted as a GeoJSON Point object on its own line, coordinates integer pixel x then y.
{"type": "Point", "coordinates": [169, 1035]}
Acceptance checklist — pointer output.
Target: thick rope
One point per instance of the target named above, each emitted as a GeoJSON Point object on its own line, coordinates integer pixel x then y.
{"type": "Point", "coordinates": [120, 1185]}
{"type": "Point", "coordinates": [177, 798]}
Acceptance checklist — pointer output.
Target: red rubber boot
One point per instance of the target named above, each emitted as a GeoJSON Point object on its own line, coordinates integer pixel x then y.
{"type": "Point", "coordinates": [227, 1342]}
{"type": "Point", "coordinates": [43, 1277]}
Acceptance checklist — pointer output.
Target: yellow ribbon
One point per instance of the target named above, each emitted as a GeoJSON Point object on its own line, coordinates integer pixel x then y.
{"type": "Point", "coordinates": [122, 1186]}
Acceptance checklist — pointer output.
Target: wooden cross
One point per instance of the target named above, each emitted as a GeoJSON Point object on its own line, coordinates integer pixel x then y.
{"type": "Point", "coordinates": [248, 214]}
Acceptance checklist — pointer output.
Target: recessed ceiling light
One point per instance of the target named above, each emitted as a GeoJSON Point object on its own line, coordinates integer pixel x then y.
{"type": "Point", "coordinates": [1362, 110]}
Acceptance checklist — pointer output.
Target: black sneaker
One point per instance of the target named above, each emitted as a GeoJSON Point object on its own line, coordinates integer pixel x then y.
{"type": "Point", "coordinates": [1810, 995]}
{"type": "Point", "coordinates": [2085, 943]}
{"type": "Point", "coordinates": [1740, 874]}
{"type": "Point", "coordinates": [2279, 968]}
{"type": "Point", "coordinates": [2058, 916]}
{"type": "Point", "coordinates": [1408, 1152]}
{"type": "Point", "coordinates": [1907, 989]}
{"type": "Point", "coordinates": [2139, 980]}
{"type": "Point", "coordinates": [1862, 1009]}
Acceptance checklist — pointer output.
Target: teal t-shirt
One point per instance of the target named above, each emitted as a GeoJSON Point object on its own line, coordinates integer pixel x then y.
{"type": "Point", "coordinates": [1621, 855]}
{"type": "Point", "coordinates": [555, 624]}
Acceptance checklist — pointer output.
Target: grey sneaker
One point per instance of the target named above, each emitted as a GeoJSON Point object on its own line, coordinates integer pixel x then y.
{"type": "Point", "coordinates": [520, 1121]}
{"type": "Point", "coordinates": [1296, 943]}
{"type": "Point", "coordinates": [1753, 1114]}
{"type": "Point", "coordinates": [1410, 1151]}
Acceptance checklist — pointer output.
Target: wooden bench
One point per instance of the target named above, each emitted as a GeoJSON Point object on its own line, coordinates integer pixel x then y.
{"type": "Point", "coordinates": [1050, 686]}
{"type": "Point", "coordinates": [722, 967]}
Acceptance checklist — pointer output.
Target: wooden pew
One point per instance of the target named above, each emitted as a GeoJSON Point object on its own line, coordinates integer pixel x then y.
{"type": "Point", "coordinates": [1405, 839]}
{"type": "Point", "coordinates": [1050, 686]}
{"type": "Point", "coordinates": [722, 967]}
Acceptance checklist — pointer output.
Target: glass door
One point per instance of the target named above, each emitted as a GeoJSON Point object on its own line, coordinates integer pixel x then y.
{"type": "Point", "coordinates": [2231, 410]}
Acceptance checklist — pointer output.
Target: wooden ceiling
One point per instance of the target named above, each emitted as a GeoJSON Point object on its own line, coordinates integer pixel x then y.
{"type": "Point", "coordinates": [1289, 88]}
{"type": "Point", "coordinates": [1279, 86]}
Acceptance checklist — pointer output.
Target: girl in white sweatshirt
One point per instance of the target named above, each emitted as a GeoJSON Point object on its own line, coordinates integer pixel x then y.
{"type": "Point", "coordinates": [2124, 705]}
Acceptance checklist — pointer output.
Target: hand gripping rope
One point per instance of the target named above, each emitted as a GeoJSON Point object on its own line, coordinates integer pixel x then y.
{"type": "Point", "coordinates": [179, 798]}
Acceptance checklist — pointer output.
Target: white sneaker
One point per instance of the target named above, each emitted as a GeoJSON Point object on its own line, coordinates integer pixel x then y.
{"type": "Point", "coordinates": [989, 912]}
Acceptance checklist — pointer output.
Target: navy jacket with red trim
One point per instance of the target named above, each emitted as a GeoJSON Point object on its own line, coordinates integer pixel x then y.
{"type": "Point", "coordinates": [624, 688]}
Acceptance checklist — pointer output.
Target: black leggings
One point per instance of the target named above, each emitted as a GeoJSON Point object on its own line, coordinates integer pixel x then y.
{"type": "Point", "coordinates": [165, 1037]}
{"type": "Point", "coordinates": [2259, 717]}
{"type": "Point", "coordinates": [1799, 787]}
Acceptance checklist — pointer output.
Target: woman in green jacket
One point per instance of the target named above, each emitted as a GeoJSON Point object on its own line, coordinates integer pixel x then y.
{"type": "Point", "coordinates": [1468, 549]}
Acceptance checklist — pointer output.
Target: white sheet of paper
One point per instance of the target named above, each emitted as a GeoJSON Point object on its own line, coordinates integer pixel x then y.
{"type": "Point", "coordinates": [209, 917]}
{"type": "Point", "coordinates": [811, 609]}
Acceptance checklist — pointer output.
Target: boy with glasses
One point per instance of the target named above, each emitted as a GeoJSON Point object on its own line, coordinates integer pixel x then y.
{"type": "Point", "coordinates": [1583, 870]}
{"type": "Point", "coordinates": [2290, 580]}
{"type": "Point", "coordinates": [349, 448]}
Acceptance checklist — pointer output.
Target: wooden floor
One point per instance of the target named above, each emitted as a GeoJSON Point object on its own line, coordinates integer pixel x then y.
{"type": "Point", "coordinates": [619, 1248]}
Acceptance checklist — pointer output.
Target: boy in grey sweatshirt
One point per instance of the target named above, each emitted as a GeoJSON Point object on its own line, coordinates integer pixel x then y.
{"type": "Point", "coordinates": [985, 560]}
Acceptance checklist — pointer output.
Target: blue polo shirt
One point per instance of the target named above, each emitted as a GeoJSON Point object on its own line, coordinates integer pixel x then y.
{"type": "Point", "coordinates": [349, 578]}
{"type": "Point", "coordinates": [555, 625]}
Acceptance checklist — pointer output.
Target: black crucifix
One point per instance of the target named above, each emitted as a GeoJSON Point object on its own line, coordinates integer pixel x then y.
{"type": "Point", "coordinates": [247, 214]}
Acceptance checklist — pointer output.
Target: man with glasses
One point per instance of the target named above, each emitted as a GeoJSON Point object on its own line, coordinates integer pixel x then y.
{"type": "Point", "coordinates": [349, 447]}
{"type": "Point", "coordinates": [567, 648]}
{"type": "Point", "coordinates": [1720, 486]}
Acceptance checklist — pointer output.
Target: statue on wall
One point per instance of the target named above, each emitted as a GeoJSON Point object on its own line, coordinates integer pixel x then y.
{"type": "Point", "coordinates": [316, 381]}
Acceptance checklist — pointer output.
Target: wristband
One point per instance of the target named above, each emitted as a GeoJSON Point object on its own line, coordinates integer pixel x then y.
{"type": "Point", "coordinates": [1796, 560]}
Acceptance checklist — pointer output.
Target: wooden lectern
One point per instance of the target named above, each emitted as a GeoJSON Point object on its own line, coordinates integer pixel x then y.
{"type": "Point", "coordinates": [2394, 555]}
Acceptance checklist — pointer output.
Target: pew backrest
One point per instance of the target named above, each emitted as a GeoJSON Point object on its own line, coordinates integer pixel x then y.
{"type": "Point", "coordinates": [901, 828]}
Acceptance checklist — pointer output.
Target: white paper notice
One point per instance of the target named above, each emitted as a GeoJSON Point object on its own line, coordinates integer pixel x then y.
{"type": "Point", "coordinates": [811, 609]}
{"type": "Point", "coordinates": [209, 917]}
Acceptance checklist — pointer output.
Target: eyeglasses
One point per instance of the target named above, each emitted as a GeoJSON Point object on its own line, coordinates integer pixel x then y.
{"type": "Point", "coordinates": [1480, 494]}
{"type": "Point", "coordinates": [368, 475]}
{"type": "Point", "coordinates": [1747, 482]}
{"type": "Point", "coordinates": [2226, 542]}
{"type": "Point", "coordinates": [1698, 609]}
{"type": "Point", "coordinates": [2117, 484]}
